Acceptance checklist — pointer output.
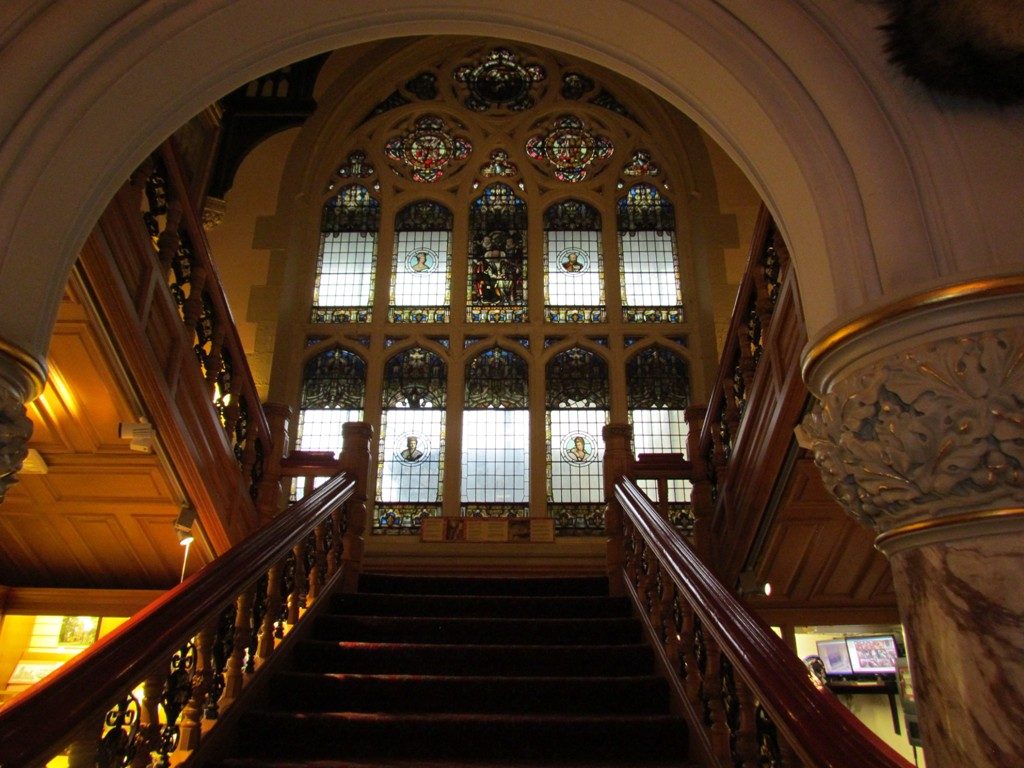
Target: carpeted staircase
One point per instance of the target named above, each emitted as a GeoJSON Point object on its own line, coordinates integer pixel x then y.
{"type": "Point", "coordinates": [469, 672]}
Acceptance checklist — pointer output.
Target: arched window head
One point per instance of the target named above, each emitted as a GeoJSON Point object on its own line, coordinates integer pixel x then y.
{"type": "Point", "coordinates": [496, 378]}
{"type": "Point", "coordinates": [336, 378]}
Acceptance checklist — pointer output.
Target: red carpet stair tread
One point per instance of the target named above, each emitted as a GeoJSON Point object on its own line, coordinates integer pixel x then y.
{"type": "Point", "coordinates": [427, 672]}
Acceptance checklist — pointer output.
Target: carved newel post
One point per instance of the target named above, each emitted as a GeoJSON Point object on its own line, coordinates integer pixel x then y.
{"type": "Point", "coordinates": [21, 380]}
{"type": "Point", "coordinates": [618, 459]}
{"type": "Point", "coordinates": [919, 434]}
{"type": "Point", "coordinates": [355, 459]}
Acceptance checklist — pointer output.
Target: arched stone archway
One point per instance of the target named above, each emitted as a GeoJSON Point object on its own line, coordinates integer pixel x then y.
{"type": "Point", "coordinates": [801, 98]}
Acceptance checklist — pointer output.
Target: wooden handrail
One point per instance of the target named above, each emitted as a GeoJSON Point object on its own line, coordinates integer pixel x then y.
{"type": "Point", "coordinates": [38, 724]}
{"type": "Point", "coordinates": [670, 581]}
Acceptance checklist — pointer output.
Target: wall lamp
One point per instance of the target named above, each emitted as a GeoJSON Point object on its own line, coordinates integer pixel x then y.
{"type": "Point", "coordinates": [183, 530]}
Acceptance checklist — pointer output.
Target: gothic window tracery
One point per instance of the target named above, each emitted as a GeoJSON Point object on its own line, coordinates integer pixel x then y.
{"type": "Point", "coordinates": [540, 210]}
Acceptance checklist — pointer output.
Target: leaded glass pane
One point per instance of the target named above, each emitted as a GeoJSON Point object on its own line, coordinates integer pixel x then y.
{"type": "Point", "coordinates": [573, 264]}
{"type": "Point", "coordinates": [496, 378]}
{"type": "Point", "coordinates": [575, 450]}
{"type": "Point", "coordinates": [496, 456]}
{"type": "Point", "coordinates": [650, 277]}
{"type": "Point", "coordinates": [343, 290]}
{"type": "Point", "coordinates": [320, 429]}
{"type": "Point", "coordinates": [421, 277]}
{"type": "Point", "coordinates": [497, 257]}
{"type": "Point", "coordinates": [659, 430]}
{"type": "Point", "coordinates": [411, 455]}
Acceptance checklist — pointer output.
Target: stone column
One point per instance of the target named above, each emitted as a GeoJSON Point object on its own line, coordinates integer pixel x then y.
{"type": "Point", "coordinates": [919, 433]}
{"type": "Point", "coordinates": [21, 379]}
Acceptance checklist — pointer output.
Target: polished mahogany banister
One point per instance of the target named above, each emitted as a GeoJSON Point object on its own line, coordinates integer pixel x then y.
{"type": "Point", "coordinates": [41, 722]}
{"type": "Point", "coordinates": [741, 681]}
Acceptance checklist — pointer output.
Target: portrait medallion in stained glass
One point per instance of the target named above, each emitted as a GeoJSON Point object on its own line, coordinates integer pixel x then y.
{"type": "Point", "coordinates": [412, 435]}
{"type": "Point", "coordinates": [573, 263]}
{"type": "Point", "coordinates": [569, 148]}
{"type": "Point", "coordinates": [428, 149]}
{"type": "Point", "coordinates": [500, 81]}
{"type": "Point", "coordinates": [577, 402]}
{"type": "Point", "coordinates": [497, 257]}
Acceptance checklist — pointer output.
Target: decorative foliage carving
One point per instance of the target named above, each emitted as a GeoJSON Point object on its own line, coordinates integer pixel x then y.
{"type": "Point", "coordinates": [428, 148]}
{"type": "Point", "coordinates": [499, 80]}
{"type": "Point", "coordinates": [936, 430]}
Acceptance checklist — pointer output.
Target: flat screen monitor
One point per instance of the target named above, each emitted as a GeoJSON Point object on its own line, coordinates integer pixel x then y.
{"type": "Point", "coordinates": [836, 657]}
{"type": "Point", "coordinates": [872, 655]}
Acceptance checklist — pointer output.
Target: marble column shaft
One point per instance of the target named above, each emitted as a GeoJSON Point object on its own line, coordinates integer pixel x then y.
{"type": "Point", "coordinates": [919, 434]}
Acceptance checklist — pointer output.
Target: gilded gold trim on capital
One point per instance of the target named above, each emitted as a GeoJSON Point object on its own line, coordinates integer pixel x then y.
{"type": "Point", "coordinates": [35, 370]}
{"type": "Point", "coordinates": [948, 521]}
{"type": "Point", "coordinates": [972, 289]}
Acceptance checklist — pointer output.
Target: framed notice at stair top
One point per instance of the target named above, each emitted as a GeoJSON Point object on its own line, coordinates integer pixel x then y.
{"type": "Point", "coordinates": [495, 530]}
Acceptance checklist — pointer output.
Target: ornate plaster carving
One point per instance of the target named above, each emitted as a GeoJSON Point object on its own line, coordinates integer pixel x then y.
{"type": "Point", "coordinates": [15, 430]}
{"type": "Point", "coordinates": [934, 431]}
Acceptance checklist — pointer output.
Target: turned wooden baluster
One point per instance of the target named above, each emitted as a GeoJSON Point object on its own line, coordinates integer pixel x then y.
{"type": "Point", "coordinates": [745, 737]}
{"type": "Point", "coordinates": [169, 240]}
{"type": "Point", "coordinates": [235, 674]}
{"type": "Point", "coordinates": [714, 707]}
{"type": "Point", "coordinates": [192, 712]}
{"type": "Point", "coordinates": [83, 751]}
{"type": "Point", "coordinates": [297, 596]}
{"type": "Point", "coordinates": [268, 632]}
{"type": "Point", "coordinates": [691, 655]}
{"type": "Point", "coordinates": [670, 624]}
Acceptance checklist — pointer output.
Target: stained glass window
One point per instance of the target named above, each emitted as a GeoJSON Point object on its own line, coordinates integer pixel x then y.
{"type": "Point", "coordinates": [428, 149]}
{"type": "Point", "coordinates": [495, 432]}
{"type": "Point", "coordinates": [577, 403]}
{"type": "Point", "coordinates": [573, 264]}
{"type": "Point", "coordinates": [657, 393]}
{"type": "Point", "coordinates": [411, 439]}
{"type": "Point", "coordinates": [569, 148]}
{"type": "Point", "coordinates": [497, 257]}
{"type": "Point", "coordinates": [648, 263]}
{"type": "Point", "coordinates": [343, 291]}
{"type": "Point", "coordinates": [499, 80]}
{"type": "Point", "coordinates": [333, 393]}
{"type": "Point", "coordinates": [421, 274]}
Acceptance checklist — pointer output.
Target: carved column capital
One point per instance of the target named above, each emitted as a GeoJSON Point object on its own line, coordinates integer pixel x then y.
{"type": "Point", "coordinates": [934, 431]}
{"type": "Point", "coordinates": [21, 379]}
